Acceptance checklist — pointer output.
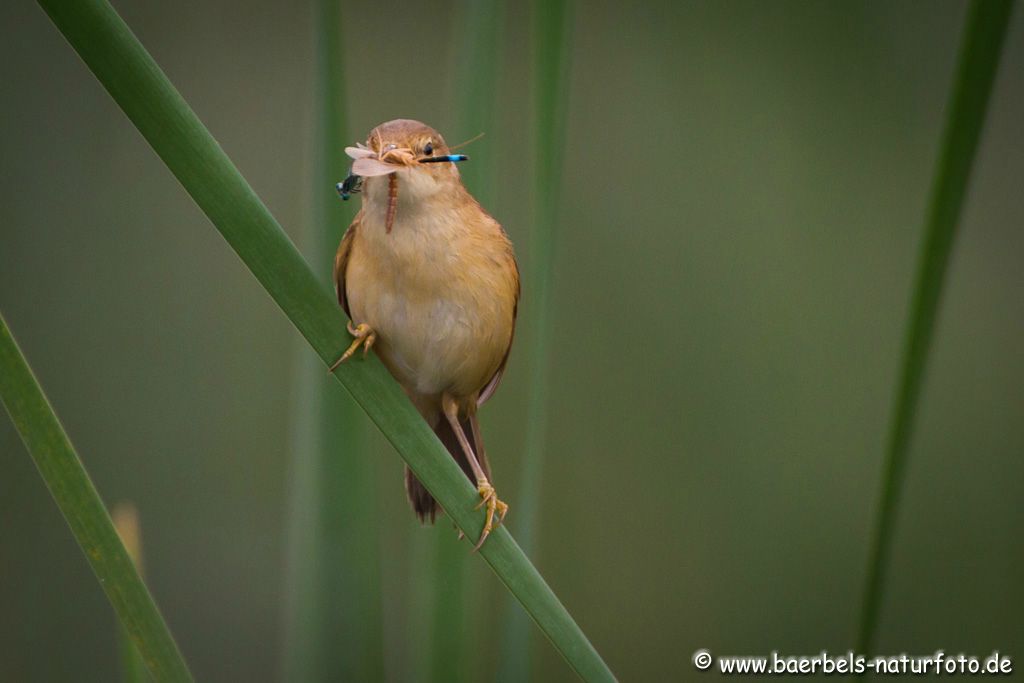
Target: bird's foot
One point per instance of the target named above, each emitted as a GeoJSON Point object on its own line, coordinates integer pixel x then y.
{"type": "Point", "coordinates": [364, 336]}
{"type": "Point", "coordinates": [495, 508]}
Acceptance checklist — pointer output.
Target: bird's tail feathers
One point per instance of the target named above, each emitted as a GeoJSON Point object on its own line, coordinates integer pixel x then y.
{"type": "Point", "coordinates": [423, 504]}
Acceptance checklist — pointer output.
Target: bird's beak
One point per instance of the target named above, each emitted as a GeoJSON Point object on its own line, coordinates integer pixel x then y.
{"type": "Point", "coordinates": [367, 164]}
{"type": "Point", "coordinates": [391, 158]}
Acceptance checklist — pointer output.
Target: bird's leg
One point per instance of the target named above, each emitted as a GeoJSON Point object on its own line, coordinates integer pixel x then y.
{"type": "Point", "coordinates": [488, 496]}
{"type": "Point", "coordinates": [502, 508]}
{"type": "Point", "coordinates": [364, 336]}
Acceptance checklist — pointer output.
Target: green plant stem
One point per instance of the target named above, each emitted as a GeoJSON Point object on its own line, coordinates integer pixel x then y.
{"type": "Point", "coordinates": [552, 23]}
{"type": "Point", "coordinates": [333, 620]}
{"type": "Point", "coordinates": [133, 667]}
{"type": "Point", "coordinates": [451, 643]}
{"type": "Point", "coordinates": [455, 633]}
{"type": "Point", "coordinates": [476, 85]}
{"type": "Point", "coordinates": [85, 513]}
{"type": "Point", "coordinates": [140, 88]}
{"type": "Point", "coordinates": [984, 32]}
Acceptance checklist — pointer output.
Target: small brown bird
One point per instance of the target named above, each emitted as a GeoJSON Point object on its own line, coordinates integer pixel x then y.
{"type": "Point", "coordinates": [429, 280]}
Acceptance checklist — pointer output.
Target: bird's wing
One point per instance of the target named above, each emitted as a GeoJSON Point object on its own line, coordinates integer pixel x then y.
{"type": "Point", "coordinates": [341, 261]}
{"type": "Point", "coordinates": [492, 384]}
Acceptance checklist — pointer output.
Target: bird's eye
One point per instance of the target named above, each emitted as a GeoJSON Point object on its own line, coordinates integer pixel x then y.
{"type": "Point", "coordinates": [428, 149]}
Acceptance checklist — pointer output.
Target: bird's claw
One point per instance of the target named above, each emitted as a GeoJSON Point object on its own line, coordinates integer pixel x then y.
{"type": "Point", "coordinates": [364, 336]}
{"type": "Point", "coordinates": [495, 507]}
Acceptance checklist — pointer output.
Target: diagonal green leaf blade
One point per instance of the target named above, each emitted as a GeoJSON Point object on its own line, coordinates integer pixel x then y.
{"type": "Point", "coordinates": [552, 40]}
{"type": "Point", "coordinates": [126, 522]}
{"type": "Point", "coordinates": [85, 513]}
{"type": "Point", "coordinates": [984, 32]}
{"type": "Point", "coordinates": [456, 626]}
{"type": "Point", "coordinates": [128, 72]}
{"type": "Point", "coordinates": [333, 616]}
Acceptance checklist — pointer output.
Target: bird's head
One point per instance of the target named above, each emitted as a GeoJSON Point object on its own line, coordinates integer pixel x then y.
{"type": "Point", "coordinates": [404, 151]}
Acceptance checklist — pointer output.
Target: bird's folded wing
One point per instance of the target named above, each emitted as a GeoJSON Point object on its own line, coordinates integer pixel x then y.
{"type": "Point", "coordinates": [341, 261]}
{"type": "Point", "coordinates": [492, 384]}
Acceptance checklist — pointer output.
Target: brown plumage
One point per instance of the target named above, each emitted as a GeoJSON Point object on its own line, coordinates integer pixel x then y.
{"type": "Point", "coordinates": [429, 279]}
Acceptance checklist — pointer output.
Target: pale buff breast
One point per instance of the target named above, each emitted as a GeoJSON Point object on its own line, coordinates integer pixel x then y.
{"type": "Point", "coordinates": [439, 290]}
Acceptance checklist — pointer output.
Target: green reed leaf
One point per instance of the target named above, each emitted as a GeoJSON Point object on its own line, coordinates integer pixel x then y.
{"type": "Point", "coordinates": [85, 513]}
{"type": "Point", "coordinates": [155, 107]}
{"type": "Point", "coordinates": [984, 32]}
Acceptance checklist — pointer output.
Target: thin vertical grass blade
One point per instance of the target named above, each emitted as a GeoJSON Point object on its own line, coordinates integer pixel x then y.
{"type": "Point", "coordinates": [451, 642]}
{"type": "Point", "coordinates": [332, 629]}
{"type": "Point", "coordinates": [126, 521]}
{"type": "Point", "coordinates": [984, 32]}
{"type": "Point", "coordinates": [552, 26]}
{"type": "Point", "coordinates": [85, 513]}
{"type": "Point", "coordinates": [476, 86]}
{"type": "Point", "coordinates": [164, 119]}
{"type": "Point", "coordinates": [454, 642]}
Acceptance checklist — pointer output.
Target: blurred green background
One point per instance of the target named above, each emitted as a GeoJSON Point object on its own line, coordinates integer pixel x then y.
{"type": "Point", "coordinates": [742, 202]}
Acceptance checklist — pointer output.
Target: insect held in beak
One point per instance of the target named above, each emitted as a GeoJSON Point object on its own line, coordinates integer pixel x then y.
{"type": "Point", "coordinates": [367, 163]}
{"type": "Point", "coordinates": [350, 186]}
